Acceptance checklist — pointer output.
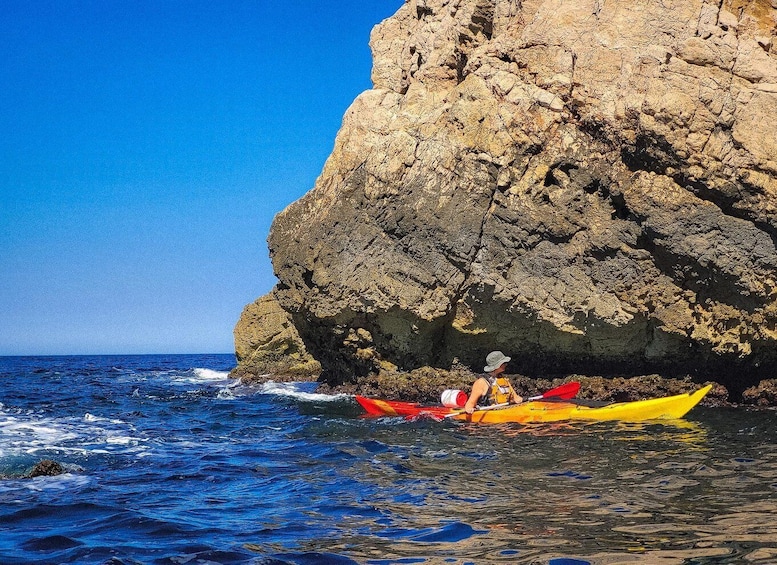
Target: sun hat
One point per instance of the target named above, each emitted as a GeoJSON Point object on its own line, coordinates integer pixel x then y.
{"type": "Point", "coordinates": [495, 359]}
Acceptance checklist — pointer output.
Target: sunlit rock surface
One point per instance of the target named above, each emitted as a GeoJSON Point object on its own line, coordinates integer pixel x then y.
{"type": "Point", "coordinates": [590, 186]}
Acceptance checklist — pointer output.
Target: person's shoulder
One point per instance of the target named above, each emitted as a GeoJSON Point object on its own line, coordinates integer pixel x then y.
{"type": "Point", "coordinates": [481, 379]}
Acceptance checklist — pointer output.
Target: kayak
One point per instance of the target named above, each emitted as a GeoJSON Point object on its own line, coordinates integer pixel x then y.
{"type": "Point", "coordinates": [665, 408]}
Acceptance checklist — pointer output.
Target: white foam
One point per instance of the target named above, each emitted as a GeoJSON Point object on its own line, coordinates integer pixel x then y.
{"type": "Point", "coordinates": [66, 481]}
{"type": "Point", "coordinates": [200, 376]}
{"type": "Point", "coordinates": [211, 375]}
{"type": "Point", "coordinates": [33, 434]}
{"type": "Point", "coordinates": [36, 432]}
{"type": "Point", "coordinates": [121, 440]}
{"type": "Point", "coordinates": [294, 390]}
{"type": "Point", "coordinates": [227, 394]}
{"type": "Point", "coordinates": [92, 418]}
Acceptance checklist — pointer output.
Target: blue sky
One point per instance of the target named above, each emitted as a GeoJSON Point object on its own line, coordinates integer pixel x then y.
{"type": "Point", "coordinates": [145, 147]}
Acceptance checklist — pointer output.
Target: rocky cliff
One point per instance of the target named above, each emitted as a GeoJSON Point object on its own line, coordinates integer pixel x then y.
{"type": "Point", "coordinates": [588, 185]}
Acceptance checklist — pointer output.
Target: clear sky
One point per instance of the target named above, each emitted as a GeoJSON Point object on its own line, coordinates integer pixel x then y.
{"type": "Point", "coordinates": [145, 147]}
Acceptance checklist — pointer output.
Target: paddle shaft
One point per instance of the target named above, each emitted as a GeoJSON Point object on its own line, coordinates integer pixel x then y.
{"type": "Point", "coordinates": [479, 409]}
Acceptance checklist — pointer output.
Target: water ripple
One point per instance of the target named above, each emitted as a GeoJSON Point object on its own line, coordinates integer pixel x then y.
{"type": "Point", "coordinates": [174, 465]}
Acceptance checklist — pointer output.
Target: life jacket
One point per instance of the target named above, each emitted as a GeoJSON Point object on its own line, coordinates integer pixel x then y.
{"type": "Point", "coordinates": [498, 393]}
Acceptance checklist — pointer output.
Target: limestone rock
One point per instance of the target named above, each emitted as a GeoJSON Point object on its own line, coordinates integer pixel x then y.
{"type": "Point", "coordinates": [764, 394]}
{"type": "Point", "coordinates": [267, 345]}
{"type": "Point", "coordinates": [590, 186]}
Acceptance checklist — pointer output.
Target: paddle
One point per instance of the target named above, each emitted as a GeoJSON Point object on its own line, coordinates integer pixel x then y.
{"type": "Point", "coordinates": [564, 392]}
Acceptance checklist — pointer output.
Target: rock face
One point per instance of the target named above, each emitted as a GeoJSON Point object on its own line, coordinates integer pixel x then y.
{"type": "Point", "coordinates": [590, 186]}
{"type": "Point", "coordinates": [266, 341]}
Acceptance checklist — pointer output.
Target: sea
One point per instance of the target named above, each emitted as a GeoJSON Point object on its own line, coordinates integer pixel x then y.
{"type": "Point", "coordinates": [169, 461]}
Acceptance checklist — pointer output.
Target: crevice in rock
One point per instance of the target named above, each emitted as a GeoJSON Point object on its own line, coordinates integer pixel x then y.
{"type": "Point", "coordinates": [706, 282]}
{"type": "Point", "coordinates": [466, 268]}
{"type": "Point", "coordinates": [766, 227]}
{"type": "Point", "coordinates": [506, 58]}
{"type": "Point", "coordinates": [307, 278]}
{"type": "Point", "coordinates": [602, 254]}
{"type": "Point", "coordinates": [461, 64]}
{"type": "Point", "coordinates": [596, 131]}
{"type": "Point", "coordinates": [483, 20]}
{"type": "Point", "coordinates": [650, 153]}
{"type": "Point", "coordinates": [564, 167]}
{"type": "Point", "coordinates": [532, 150]}
{"type": "Point", "coordinates": [572, 69]}
{"type": "Point", "coordinates": [479, 245]}
{"type": "Point", "coordinates": [656, 154]}
{"type": "Point", "coordinates": [717, 15]}
{"type": "Point", "coordinates": [725, 202]}
{"type": "Point", "coordinates": [620, 210]}
{"type": "Point", "coordinates": [423, 12]}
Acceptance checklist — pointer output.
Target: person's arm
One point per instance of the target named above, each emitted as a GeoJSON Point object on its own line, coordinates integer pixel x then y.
{"type": "Point", "coordinates": [515, 398]}
{"type": "Point", "coordinates": [479, 388]}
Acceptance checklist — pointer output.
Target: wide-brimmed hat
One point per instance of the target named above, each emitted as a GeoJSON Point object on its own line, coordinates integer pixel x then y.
{"type": "Point", "coordinates": [495, 359]}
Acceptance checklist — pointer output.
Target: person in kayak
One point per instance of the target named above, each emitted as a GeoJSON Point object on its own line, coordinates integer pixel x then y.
{"type": "Point", "coordinates": [492, 388]}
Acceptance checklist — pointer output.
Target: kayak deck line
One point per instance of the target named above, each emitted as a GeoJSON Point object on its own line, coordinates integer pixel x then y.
{"type": "Point", "coordinates": [662, 408]}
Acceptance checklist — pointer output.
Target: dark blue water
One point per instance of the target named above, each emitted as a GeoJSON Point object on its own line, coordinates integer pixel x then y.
{"type": "Point", "coordinates": [170, 462]}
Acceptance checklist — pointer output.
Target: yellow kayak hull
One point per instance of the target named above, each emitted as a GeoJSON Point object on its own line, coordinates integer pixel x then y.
{"type": "Point", "coordinates": [670, 407]}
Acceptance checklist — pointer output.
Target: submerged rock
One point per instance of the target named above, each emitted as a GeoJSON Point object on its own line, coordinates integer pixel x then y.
{"type": "Point", "coordinates": [589, 186]}
{"type": "Point", "coordinates": [43, 468]}
{"type": "Point", "coordinates": [46, 468]}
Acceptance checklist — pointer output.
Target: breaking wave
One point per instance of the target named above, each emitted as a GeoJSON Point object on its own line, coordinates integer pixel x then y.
{"type": "Point", "coordinates": [300, 391]}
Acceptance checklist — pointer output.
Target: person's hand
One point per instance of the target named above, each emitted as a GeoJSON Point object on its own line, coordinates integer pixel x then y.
{"type": "Point", "coordinates": [469, 410]}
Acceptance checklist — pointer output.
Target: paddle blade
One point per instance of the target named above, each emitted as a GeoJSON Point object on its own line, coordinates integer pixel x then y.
{"type": "Point", "coordinates": [565, 392]}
